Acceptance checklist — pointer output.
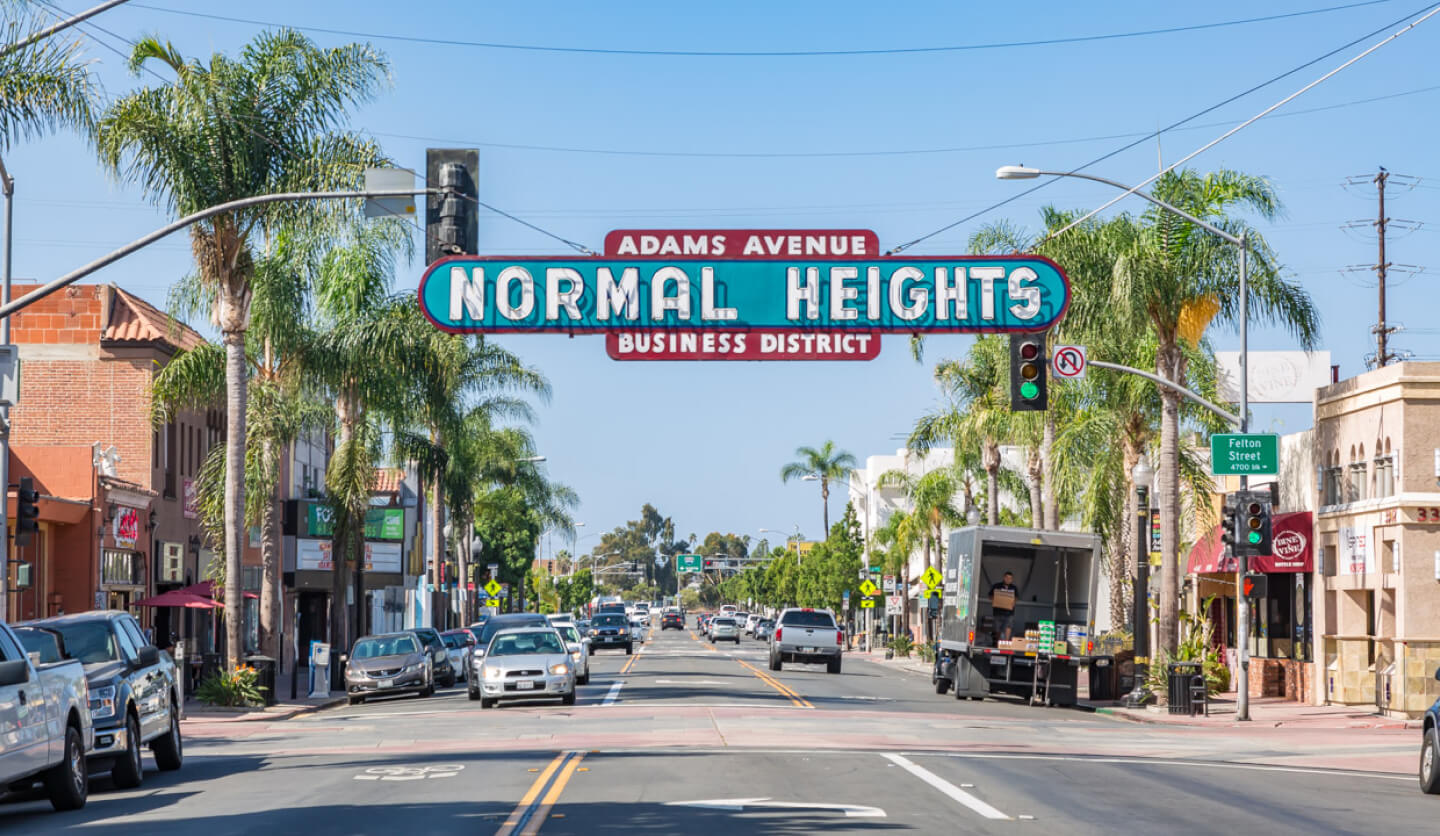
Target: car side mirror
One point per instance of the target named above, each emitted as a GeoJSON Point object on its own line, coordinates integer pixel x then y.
{"type": "Point", "coordinates": [573, 647]}
{"type": "Point", "coordinates": [14, 673]}
{"type": "Point", "coordinates": [147, 656]}
{"type": "Point", "coordinates": [344, 658]}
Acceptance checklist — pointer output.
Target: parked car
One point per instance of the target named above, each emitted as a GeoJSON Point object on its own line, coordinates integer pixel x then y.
{"type": "Point", "coordinates": [750, 621]}
{"type": "Point", "coordinates": [45, 725]}
{"type": "Point", "coordinates": [740, 619]}
{"type": "Point", "coordinates": [672, 618]}
{"type": "Point", "coordinates": [1430, 748]}
{"type": "Point", "coordinates": [806, 635]}
{"type": "Point", "coordinates": [133, 695]}
{"type": "Point", "coordinates": [583, 625]}
{"type": "Point", "coordinates": [526, 663]}
{"type": "Point", "coordinates": [579, 648]}
{"type": "Point", "coordinates": [445, 673]}
{"type": "Point", "coordinates": [763, 628]}
{"type": "Point", "coordinates": [612, 630]}
{"type": "Point", "coordinates": [387, 664]}
{"type": "Point", "coordinates": [457, 644]}
{"type": "Point", "coordinates": [725, 628]}
{"type": "Point", "coordinates": [505, 621]}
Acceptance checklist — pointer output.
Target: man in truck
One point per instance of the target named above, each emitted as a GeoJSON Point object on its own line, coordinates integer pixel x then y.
{"type": "Point", "coordinates": [1004, 617]}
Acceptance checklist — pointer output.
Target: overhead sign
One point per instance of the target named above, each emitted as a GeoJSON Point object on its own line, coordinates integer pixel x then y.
{"type": "Point", "coordinates": [769, 344]}
{"type": "Point", "coordinates": [1068, 362]}
{"type": "Point", "coordinates": [957, 294]}
{"type": "Point", "coordinates": [689, 562]}
{"type": "Point", "coordinates": [1242, 454]}
{"type": "Point", "coordinates": [743, 243]}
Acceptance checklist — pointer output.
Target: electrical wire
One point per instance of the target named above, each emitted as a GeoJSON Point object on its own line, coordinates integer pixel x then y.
{"type": "Point", "coordinates": [1153, 134]}
{"type": "Point", "coordinates": [768, 53]}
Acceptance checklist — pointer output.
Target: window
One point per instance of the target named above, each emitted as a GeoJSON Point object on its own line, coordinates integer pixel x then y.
{"type": "Point", "coordinates": [1384, 470]}
{"type": "Point", "coordinates": [172, 453]}
{"type": "Point", "coordinates": [132, 632]}
{"type": "Point", "coordinates": [1332, 481]}
{"type": "Point", "coordinates": [127, 645]}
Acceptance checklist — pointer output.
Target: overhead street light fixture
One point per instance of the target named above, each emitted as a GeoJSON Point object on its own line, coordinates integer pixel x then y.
{"type": "Point", "coordinates": [1016, 172]}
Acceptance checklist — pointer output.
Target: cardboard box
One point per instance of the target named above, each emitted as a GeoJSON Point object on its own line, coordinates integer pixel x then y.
{"type": "Point", "coordinates": [1002, 599]}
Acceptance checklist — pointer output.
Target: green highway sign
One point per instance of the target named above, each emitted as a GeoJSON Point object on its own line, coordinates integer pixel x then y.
{"type": "Point", "coordinates": [689, 563]}
{"type": "Point", "coordinates": [1240, 454]}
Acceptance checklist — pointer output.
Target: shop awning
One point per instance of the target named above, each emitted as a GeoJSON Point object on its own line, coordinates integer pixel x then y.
{"type": "Point", "coordinates": [206, 589]}
{"type": "Point", "coordinates": [177, 598]}
{"type": "Point", "coordinates": [1292, 535]}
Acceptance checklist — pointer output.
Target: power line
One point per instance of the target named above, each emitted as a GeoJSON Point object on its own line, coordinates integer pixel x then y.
{"type": "Point", "coordinates": [1171, 126]}
{"type": "Point", "coordinates": [349, 33]}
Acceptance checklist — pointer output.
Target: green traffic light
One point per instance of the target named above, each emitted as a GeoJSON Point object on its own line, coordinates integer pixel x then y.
{"type": "Point", "coordinates": [1254, 538]}
{"type": "Point", "coordinates": [1029, 390]}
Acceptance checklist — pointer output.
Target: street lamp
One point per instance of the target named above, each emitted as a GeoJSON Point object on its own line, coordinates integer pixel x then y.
{"type": "Point", "coordinates": [1144, 476]}
{"type": "Point", "coordinates": [529, 460]}
{"type": "Point", "coordinates": [1242, 605]}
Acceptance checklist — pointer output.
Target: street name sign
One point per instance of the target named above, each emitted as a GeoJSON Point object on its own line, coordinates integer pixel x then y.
{"type": "Point", "coordinates": [1244, 454]}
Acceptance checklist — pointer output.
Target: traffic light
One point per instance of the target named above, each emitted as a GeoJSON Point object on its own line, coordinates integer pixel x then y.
{"type": "Point", "coordinates": [1027, 373]}
{"type": "Point", "coordinates": [1228, 526]}
{"type": "Point", "coordinates": [27, 513]}
{"type": "Point", "coordinates": [451, 222]}
{"type": "Point", "coordinates": [1254, 531]}
{"type": "Point", "coordinates": [709, 564]}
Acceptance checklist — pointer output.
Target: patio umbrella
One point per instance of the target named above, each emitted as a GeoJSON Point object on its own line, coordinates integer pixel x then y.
{"type": "Point", "coordinates": [179, 598]}
{"type": "Point", "coordinates": [206, 589]}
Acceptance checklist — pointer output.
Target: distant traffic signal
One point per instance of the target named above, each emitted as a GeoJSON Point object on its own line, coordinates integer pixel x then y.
{"type": "Point", "coordinates": [27, 512]}
{"type": "Point", "coordinates": [1027, 373]}
{"type": "Point", "coordinates": [1228, 525]}
{"type": "Point", "coordinates": [452, 224]}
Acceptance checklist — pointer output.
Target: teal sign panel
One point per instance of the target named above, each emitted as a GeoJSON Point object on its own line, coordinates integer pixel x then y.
{"type": "Point", "coordinates": [960, 294]}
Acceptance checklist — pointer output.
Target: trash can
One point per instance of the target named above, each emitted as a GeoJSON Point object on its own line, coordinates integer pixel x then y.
{"type": "Point", "coordinates": [264, 676]}
{"type": "Point", "coordinates": [1104, 678]}
{"type": "Point", "coordinates": [1181, 696]}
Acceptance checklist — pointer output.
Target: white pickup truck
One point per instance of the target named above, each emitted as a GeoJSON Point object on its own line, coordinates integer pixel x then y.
{"type": "Point", "coordinates": [806, 635]}
{"type": "Point", "coordinates": [45, 727]}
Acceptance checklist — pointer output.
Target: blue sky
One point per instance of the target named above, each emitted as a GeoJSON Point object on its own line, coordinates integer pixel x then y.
{"type": "Point", "coordinates": [705, 442]}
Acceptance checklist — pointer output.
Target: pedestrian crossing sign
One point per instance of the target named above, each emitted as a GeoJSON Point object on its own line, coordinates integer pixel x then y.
{"type": "Point", "coordinates": [868, 588]}
{"type": "Point", "coordinates": [493, 587]}
{"type": "Point", "coordinates": [932, 578]}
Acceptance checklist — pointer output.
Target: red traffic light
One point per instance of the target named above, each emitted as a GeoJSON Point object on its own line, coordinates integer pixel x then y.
{"type": "Point", "coordinates": [1029, 351]}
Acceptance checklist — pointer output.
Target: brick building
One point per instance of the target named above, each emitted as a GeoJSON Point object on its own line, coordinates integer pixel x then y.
{"type": "Point", "coordinates": [117, 510]}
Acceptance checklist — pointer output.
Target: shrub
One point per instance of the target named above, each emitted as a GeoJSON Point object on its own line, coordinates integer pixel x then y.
{"type": "Point", "coordinates": [236, 688]}
{"type": "Point", "coordinates": [902, 645]}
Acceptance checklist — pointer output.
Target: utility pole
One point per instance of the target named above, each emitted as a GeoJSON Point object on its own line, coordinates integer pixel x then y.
{"type": "Point", "coordinates": [1382, 331]}
{"type": "Point", "coordinates": [7, 188]}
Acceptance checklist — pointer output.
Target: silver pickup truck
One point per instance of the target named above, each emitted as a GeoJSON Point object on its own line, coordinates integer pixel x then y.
{"type": "Point", "coordinates": [806, 635]}
{"type": "Point", "coordinates": [45, 726]}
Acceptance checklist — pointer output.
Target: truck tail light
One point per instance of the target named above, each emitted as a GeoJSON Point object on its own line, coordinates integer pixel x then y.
{"type": "Point", "coordinates": [777, 634]}
{"type": "Point", "coordinates": [971, 640]}
{"type": "Point", "coordinates": [839, 637]}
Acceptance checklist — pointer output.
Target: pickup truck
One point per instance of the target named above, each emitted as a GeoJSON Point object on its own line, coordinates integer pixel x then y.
{"type": "Point", "coordinates": [806, 635]}
{"type": "Point", "coordinates": [133, 696]}
{"type": "Point", "coordinates": [44, 723]}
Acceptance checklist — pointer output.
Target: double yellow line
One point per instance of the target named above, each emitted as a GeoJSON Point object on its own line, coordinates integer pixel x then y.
{"type": "Point", "coordinates": [797, 700]}
{"type": "Point", "coordinates": [629, 664]}
{"type": "Point", "coordinates": [531, 812]}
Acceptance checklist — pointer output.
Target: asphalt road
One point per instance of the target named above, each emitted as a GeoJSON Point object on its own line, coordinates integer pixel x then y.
{"type": "Point", "coordinates": [686, 737]}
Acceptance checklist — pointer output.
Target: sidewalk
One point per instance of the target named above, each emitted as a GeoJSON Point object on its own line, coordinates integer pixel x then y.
{"type": "Point", "coordinates": [283, 709]}
{"type": "Point", "coordinates": [1267, 711]}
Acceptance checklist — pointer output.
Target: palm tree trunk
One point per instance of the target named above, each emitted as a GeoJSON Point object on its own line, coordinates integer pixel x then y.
{"type": "Point", "coordinates": [1121, 574]}
{"type": "Point", "coordinates": [270, 605]}
{"type": "Point", "coordinates": [1037, 507]}
{"type": "Point", "coordinates": [437, 556]}
{"type": "Point", "coordinates": [825, 501]}
{"type": "Point", "coordinates": [339, 612]}
{"type": "Point", "coordinates": [924, 613]}
{"type": "Point", "coordinates": [1048, 498]}
{"type": "Point", "coordinates": [992, 483]}
{"type": "Point", "coordinates": [235, 390]}
{"type": "Point", "coordinates": [1168, 361]}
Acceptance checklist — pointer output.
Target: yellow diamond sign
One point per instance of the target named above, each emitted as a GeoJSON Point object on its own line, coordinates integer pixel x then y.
{"type": "Point", "coordinates": [931, 577]}
{"type": "Point", "coordinates": [868, 587]}
{"type": "Point", "coordinates": [493, 587]}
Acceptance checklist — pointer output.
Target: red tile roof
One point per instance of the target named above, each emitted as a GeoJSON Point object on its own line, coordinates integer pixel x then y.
{"type": "Point", "coordinates": [132, 319]}
{"type": "Point", "coordinates": [387, 480]}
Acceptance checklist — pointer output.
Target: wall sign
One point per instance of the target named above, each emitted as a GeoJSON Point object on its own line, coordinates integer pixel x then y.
{"type": "Point", "coordinates": [126, 527]}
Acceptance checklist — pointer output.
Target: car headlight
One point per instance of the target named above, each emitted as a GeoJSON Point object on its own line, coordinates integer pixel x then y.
{"type": "Point", "coordinates": [494, 674]}
{"type": "Point", "coordinates": [102, 702]}
{"type": "Point", "coordinates": [415, 667]}
{"type": "Point", "coordinates": [560, 669]}
{"type": "Point", "coordinates": [624, 631]}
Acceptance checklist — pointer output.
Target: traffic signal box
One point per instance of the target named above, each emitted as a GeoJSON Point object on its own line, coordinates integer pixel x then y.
{"type": "Point", "coordinates": [27, 512]}
{"type": "Point", "coordinates": [452, 224]}
{"type": "Point", "coordinates": [1028, 385]}
{"type": "Point", "coordinates": [1246, 524]}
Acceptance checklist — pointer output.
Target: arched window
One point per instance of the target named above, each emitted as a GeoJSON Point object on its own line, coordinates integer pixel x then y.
{"type": "Point", "coordinates": [1359, 474]}
{"type": "Point", "coordinates": [1384, 470]}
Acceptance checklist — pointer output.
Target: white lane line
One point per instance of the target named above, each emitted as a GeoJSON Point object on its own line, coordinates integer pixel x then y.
{"type": "Point", "coordinates": [944, 786]}
{"type": "Point", "coordinates": [614, 692]}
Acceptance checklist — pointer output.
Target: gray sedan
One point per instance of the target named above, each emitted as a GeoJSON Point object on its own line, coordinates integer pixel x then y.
{"type": "Point", "coordinates": [526, 663]}
{"type": "Point", "coordinates": [393, 663]}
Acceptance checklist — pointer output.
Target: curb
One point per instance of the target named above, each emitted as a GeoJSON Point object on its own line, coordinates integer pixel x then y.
{"type": "Point", "coordinates": [262, 715]}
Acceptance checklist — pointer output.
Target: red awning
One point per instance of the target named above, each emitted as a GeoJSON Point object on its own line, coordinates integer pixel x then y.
{"type": "Point", "coordinates": [179, 598]}
{"type": "Point", "coordinates": [1292, 535]}
{"type": "Point", "coordinates": [206, 589]}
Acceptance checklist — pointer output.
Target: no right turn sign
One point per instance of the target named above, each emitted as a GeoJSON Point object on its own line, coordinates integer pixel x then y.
{"type": "Point", "coordinates": [1068, 361]}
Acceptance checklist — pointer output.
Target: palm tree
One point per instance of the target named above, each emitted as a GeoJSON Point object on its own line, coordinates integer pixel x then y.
{"type": "Point", "coordinates": [931, 498]}
{"type": "Point", "coordinates": [1168, 271]}
{"type": "Point", "coordinates": [47, 85]}
{"type": "Point", "coordinates": [266, 122]}
{"type": "Point", "coordinates": [824, 463]}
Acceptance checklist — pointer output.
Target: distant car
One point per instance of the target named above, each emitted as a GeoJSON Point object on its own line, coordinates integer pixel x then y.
{"type": "Point", "coordinates": [740, 619]}
{"type": "Point", "coordinates": [1430, 748]}
{"type": "Point", "coordinates": [750, 621]}
{"type": "Point", "coordinates": [611, 629]}
{"type": "Point", "coordinates": [526, 663]}
{"type": "Point", "coordinates": [725, 628]}
{"type": "Point", "coordinates": [457, 645]}
{"type": "Point", "coordinates": [583, 625]}
{"type": "Point", "coordinates": [763, 628]}
{"type": "Point", "coordinates": [389, 663]}
{"type": "Point", "coordinates": [445, 673]}
{"type": "Point", "coordinates": [806, 635]}
{"type": "Point", "coordinates": [672, 619]}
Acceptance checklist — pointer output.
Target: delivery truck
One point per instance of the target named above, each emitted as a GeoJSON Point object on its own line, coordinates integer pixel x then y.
{"type": "Point", "coordinates": [1056, 576]}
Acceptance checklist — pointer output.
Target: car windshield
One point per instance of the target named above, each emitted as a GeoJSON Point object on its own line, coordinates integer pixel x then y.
{"type": "Point", "coordinates": [495, 625]}
{"type": "Point", "coordinates": [40, 641]}
{"type": "Point", "coordinates": [384, 646]}
{"type": "Point", "coordinates": [569, 632]}
{"type": "Point", "coordinates": [89, 641]}
{"type": "Point", "coordinates": [524, 644]}
{"type": "Point", "coordinates": [609, 621]}
{"type": "Point", "coordinates": [800, 618]}
{"type": "Point", "coordinates": [454, 641]}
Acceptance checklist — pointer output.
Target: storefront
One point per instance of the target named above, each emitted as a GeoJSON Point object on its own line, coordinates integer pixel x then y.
{"type": "Point", "coordinates": [124, 545]}
{"type": "Point", "coordinates": [309, 563]}
{"type": "Point", "coordinates": [1281, 639]}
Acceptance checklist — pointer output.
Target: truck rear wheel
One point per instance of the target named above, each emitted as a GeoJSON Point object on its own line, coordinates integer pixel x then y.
{"type": "Point", "coordinates": [774, 661]}
{"type": "Point", "coordinates": [833, 666]}
{"type": "Point", "coordinates": [941, 685]}
{"type": "Point", "coordinates": [67, 783]}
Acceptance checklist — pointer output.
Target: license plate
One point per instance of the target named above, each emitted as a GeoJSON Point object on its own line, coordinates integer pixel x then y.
{"type": "Point", "coordinates": [387, 683]}
{"type": "Point", "coordinates": [807, 650]}
{"type": "Point", "coordinates": [524, 685]}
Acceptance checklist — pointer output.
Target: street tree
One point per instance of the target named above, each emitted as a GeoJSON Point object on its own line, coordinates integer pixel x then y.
{"type": "Point", "coordinates": [45, 86]}
{"type": "Point", "coordinates": [271, 120]}
{"type": "Point", "coordinates": [825, 463]}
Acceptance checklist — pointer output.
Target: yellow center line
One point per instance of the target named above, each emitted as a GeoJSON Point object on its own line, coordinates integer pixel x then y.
{"type": "Point", "coordinates": [785, 690]}
{"type": "Point", "coordinates": [533, 827]}
{"type": "Point", "coordinates": [529, 797]}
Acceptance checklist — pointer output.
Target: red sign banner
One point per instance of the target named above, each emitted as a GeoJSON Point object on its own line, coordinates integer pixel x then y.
{"type": "Point", "coordinates": [743, 243]}
{"type": "Point", "coordinates": [741, 345]}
